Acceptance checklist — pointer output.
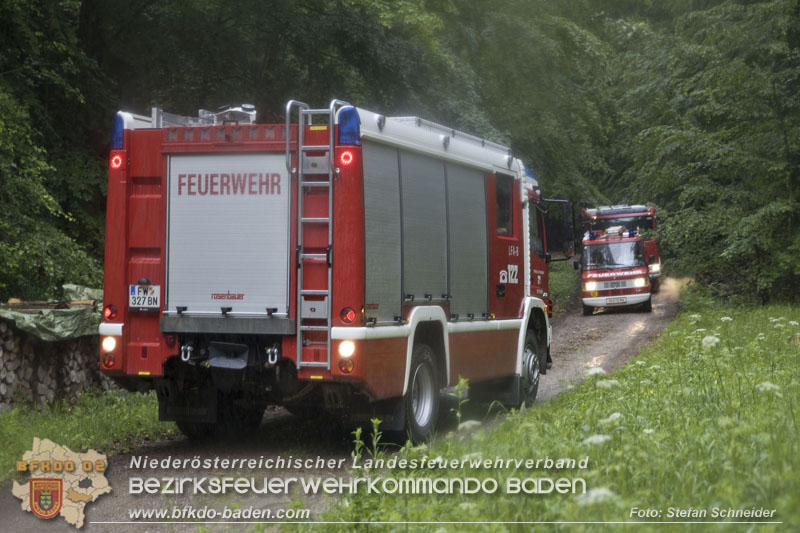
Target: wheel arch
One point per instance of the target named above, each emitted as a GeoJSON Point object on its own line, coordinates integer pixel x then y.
{"type": "Point", "coordinates": [428, 325]}
{"type": "Point", "coordinates": [534, 319]}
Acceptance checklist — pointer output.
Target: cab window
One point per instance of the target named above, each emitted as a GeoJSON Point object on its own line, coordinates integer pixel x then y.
{"type": "Point", "coordinates": [504, 194]}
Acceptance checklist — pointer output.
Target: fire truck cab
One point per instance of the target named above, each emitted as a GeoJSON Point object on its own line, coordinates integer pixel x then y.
{"type": "Point", "coordinates": [639, 217]}
{"type": "Point", "coordinates": [342, 261]}
{"type": "Point", "coordinates": [614, 270]}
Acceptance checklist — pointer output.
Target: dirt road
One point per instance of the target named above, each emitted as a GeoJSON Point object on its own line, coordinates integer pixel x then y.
{"type": "Point", "coordinates": [606, 339]}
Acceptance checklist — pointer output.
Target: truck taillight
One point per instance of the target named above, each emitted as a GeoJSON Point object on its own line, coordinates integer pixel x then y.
{"type": "Point", "coordinates": [108, 360]}
{"type": "Point", "coordinates": [116, 161]}
{"type": "Point", "coordinates": [346, 158]}
{"type": "Point", "coordinates": [346, 365]}
{"type": "Point", "coordinates": [110, 312]}
{"type": "Point", "coordinates": [348, 315]}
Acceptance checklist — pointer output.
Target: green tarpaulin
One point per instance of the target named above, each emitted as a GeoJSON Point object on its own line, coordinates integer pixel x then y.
{"type": "Point", "coordinates": [48, 324]}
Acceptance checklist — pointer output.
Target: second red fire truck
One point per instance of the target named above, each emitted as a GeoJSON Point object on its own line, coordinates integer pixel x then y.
{"type": "Point", "coordinates": [641, 218]}
{"type": "Point", "coordinates": [345, 261]}
{"type": "Point", "coordinates": [614, 270]}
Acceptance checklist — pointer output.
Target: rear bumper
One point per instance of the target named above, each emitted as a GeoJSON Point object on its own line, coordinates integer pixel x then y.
{"type": "Point", "coordinates": [630, 299]}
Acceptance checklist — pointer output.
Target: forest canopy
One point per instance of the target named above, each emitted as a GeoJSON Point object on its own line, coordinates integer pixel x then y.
{"type": "Point", "coordinates": [691, 106]}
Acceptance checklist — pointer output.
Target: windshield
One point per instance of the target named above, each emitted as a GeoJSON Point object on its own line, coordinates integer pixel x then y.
{"type": "Point", "coordinates": [613, 255]}
{"type": "Point", "coordinates": [640, 223]}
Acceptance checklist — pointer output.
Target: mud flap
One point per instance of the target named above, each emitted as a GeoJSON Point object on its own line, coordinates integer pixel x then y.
{"type": "Point", "coordinates": [505, 390]}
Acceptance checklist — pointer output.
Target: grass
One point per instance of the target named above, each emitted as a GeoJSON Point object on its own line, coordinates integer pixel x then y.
{"type": "Point", "coordinates": [110, 422]}
{"type": "Point", "coordinates": [705, 417]}
{"type": "Point", "coordinates": [564, 284]}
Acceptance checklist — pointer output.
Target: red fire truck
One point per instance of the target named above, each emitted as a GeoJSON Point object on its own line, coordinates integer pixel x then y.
{"type": "Point", "coordinates": [347, 262]}
{"type": "Point", "coordinates": [614, 270]}
{"type": "Point", "coordinates": [638, 217]}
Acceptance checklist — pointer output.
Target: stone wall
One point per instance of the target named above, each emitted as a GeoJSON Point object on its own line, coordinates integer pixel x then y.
{"type": "Point", "coordinates": [40, 372]}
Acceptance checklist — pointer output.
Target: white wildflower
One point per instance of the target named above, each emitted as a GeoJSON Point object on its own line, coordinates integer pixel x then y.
{"type": "Point", "coordinates": [645, 382]}
{"type": "Point", "coordinates": [794, 323]}
{"type": "Point", "coordinates": [655, 367]}
{"type": "Point", "coordinates": [596, 439]}
{"type": "Point", "coordinates": [640, 363]}
{"type": "Point", "coordinates": [766, 386]}
{"type": "Point", "coordinates": [761, 337]}
{"type": "Point", "coordinates": [611, 418]}
{"type": "Point", "coordinates": [598, 495]}
{"type": "Point", "coordinates": [648, 431]}
{"type": "Point", "coordinates": [466, 506]}
{"type": "Point", "coordinates": [700, 330]}
{"type": "Point", "coordinates": [709, 341]}
{"type": "Point", "coordinates": [607, 383]}
{"type": "Point", "coordinates": [466, 425]}
{"type": "Point", "coordinates": [694, 317]}
{"type": "Point", "coordinates": [778, 325]}
{"type": "Point", "coordinates": [472, 456]}
{"type": "Point", "coordinates": [726, 319]}
{"type": "Point", "coordinates": [596, 371]}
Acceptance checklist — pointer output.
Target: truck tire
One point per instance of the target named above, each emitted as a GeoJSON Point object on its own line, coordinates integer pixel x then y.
{"type": "Point", "coordinates": [195, 430]}
{"type": "Point", "coordinates": [234, 419]}
{"type": "Point", "coordinates": [655, 285]}
{"type": "Point", "coordinates": [648, 305]}
{"type": "Point", "coordinates": [531, 370]}
{"type": "Point", "coordinates": [422, 396]}
{"type": "Point", "coordinates": [587, 310]}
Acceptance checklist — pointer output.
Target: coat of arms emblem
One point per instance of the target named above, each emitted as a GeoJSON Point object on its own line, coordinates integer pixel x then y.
{"type": "Point", "coordinates": [46, 497]}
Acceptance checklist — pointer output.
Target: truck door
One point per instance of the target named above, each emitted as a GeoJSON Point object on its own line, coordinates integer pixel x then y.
{"type": "Point", "coordinates": [506, 287]}
{"type": "Point", "coordinates": [540, 278]}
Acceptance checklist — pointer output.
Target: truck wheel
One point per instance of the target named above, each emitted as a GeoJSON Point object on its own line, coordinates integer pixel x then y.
{"type": "Point", "coordinates": [531, 365]}
{"type": "Point", "coordinates": [195, 430]}
{"type": "Point", "coordinates": [422, 396]}
{"type": "Point", "coordinates": [587, 310]}
{"type": "Point", "coordinates": [654, 285]}
{"type": "Point", "coordinates": [648, 305]}
{"type": "Point", "coordinates": [237, 420]}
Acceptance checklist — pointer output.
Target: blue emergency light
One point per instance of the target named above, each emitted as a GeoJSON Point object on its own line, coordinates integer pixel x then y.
{"type": "Point", "coordinates": [117, 133]}
{"type": "Point", "coordinates": [349, 126]}
{"type": "Point", "coordinates": [631, 232]}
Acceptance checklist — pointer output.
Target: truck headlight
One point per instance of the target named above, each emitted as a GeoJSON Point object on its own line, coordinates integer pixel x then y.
{"type": "Point", "coordinates": [639, 282]}
{"type": "Point", "coordinates": [654, 268]}
{"type": "Point", "coordinates": [590, 286]}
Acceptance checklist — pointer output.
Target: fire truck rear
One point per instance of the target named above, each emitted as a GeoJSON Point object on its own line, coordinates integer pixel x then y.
{"type": "Point", "coordinates": [639, 217]}
{"type": "Point", "coordinates": [348, 262]}
{"type": "Point", "coordinates": [613, 270]}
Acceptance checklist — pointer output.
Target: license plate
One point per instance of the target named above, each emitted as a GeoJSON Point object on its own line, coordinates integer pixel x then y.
{"type": "Point", "coordinates": [621, 300]}
{"type": "Point", "coordinates": [144, 297]}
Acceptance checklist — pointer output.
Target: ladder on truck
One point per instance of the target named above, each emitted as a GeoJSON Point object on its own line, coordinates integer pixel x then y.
{"type": "Point", "coordinates": [309, 173]}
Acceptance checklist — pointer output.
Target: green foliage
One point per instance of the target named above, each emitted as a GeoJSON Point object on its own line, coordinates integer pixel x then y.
{"type": "Point", "coordinates": [691, 106]}
{"type": "Point", "coordinates": [110, 422]}
{"type": "Point", "coordinates": [710, 119]}
{"type": "Point", "coordinates": [706, 417]}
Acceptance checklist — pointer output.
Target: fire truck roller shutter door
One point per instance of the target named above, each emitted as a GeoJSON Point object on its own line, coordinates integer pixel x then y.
{"type": "Point", "coordinates": [382, 231]}
{"type": "Point", "coordinates": [466, 211]}
{"type": "Point", "coordinates": [424, 211]}
{"type": "Point", "coordinates": [227, 234]}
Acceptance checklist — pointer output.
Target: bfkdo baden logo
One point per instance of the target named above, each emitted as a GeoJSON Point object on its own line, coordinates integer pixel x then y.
{"type": "Point", "coordinates": [61, 481]}
{"type": "Point", "coordinates": [46, 497]}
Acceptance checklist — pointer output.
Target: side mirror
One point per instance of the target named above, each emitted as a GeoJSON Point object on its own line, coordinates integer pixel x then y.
{"type": "Point", "coordinates": [576, 265]}
{"type": "Point", "coordinates": [651, 259]}
{"type": "Point", "coordinates": [569, 249]}
{"type": "Point", "coordinates": [547, 257]}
